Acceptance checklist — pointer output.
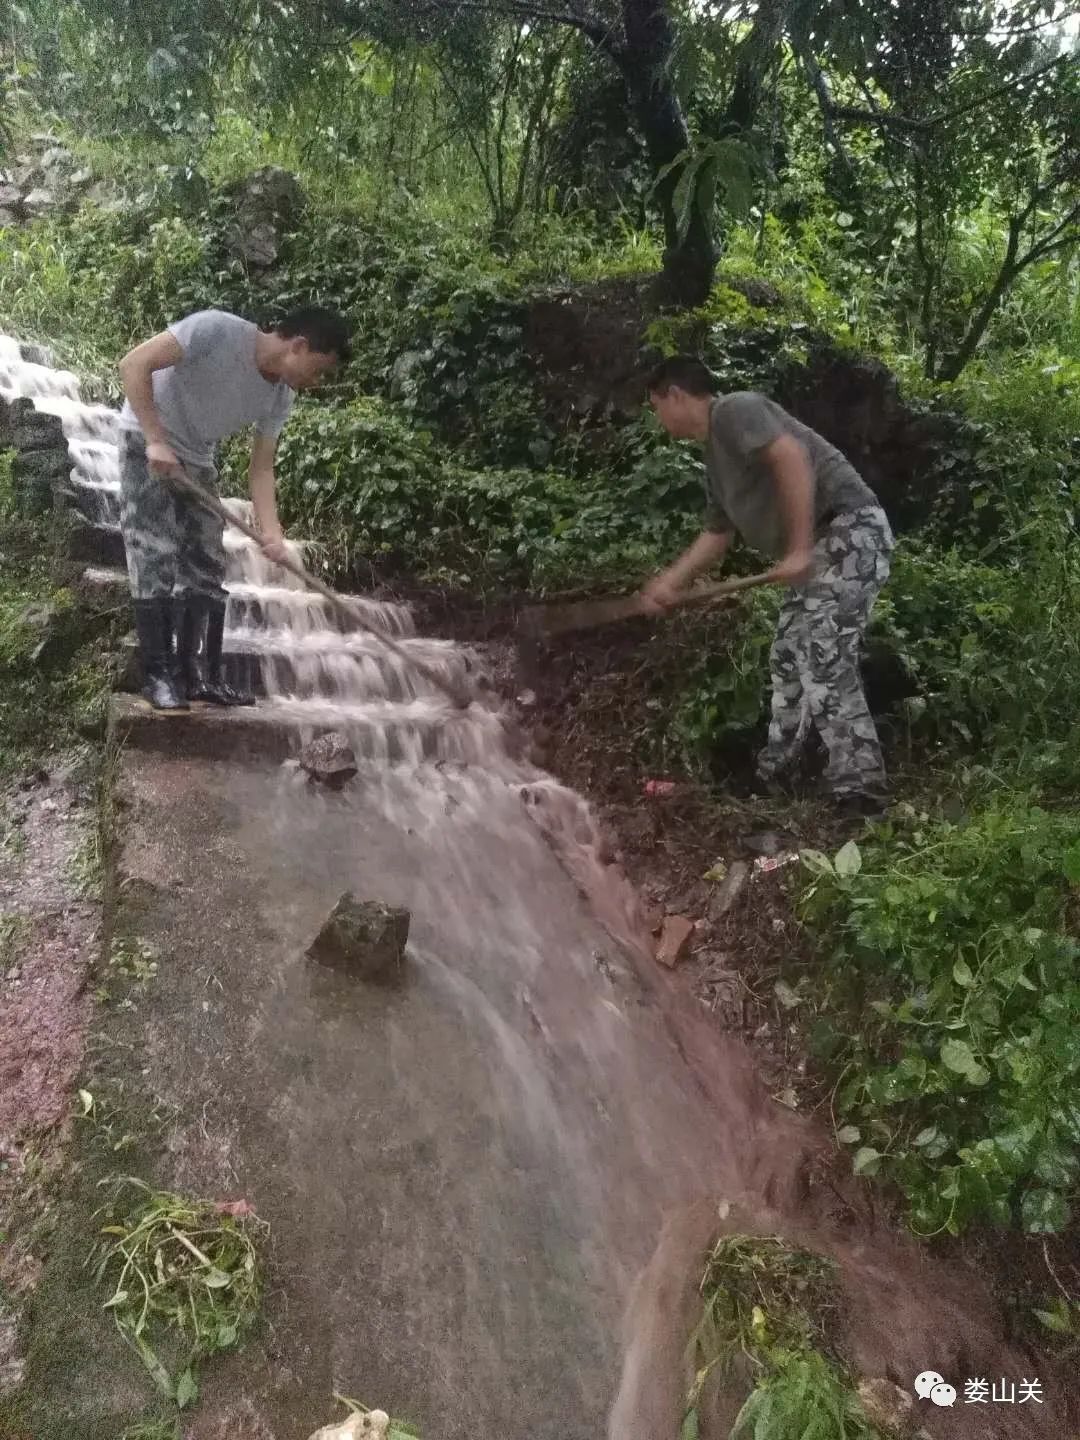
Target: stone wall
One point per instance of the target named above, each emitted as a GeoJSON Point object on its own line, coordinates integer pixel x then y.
{"type": "Point", "coordinates": [42, 462]}
{"type": "Point", "coordinates": [46, 178]}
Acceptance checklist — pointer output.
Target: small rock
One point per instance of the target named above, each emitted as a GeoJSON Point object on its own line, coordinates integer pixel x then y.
{"type": "Point", "coordinates": [101, 193]}
{"type": "Point", "coordinates": [887, 1406]}
{"type": "Point", "coordinates": [8, 219]}
{"type": "Point", "coordinates": [730, 889]}
{"type": "Point", "coordinates": [58, 158]}
{"type": "Point", "coordinates": [11, 1375]}
{"type": "Point", "coordinates": [10, 195]}
{"type": "Point", "coordinates": [329, 759]}
{"type": "Point", "coordinates": [36, 355]}
{"type": "Point", "coordinates": [39, 202]}
{"type": "Point", "coordinates": [675, 935]}
{"type": "Point", "coordinates": [81, 178]}
{"type": "Point", "coordinates": [364, 937]}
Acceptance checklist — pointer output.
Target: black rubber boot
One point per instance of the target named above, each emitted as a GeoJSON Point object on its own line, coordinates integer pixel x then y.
{"type": "Point", "coordinates": [154, 630]}
{"type": "Point", "coordinates": [201, 633]}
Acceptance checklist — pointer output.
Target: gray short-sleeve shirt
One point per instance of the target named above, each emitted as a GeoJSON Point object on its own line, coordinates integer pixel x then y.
{"type": "Point", "coordinates": [216, 389]}
{"type": "Point", "coordinates": [740, 490]}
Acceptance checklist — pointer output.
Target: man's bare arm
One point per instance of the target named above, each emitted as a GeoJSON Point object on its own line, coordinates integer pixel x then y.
{"type": "Point", "coordinates": [708, 549]}
{"type": "Point", "coordinates": [137, 376]}
{"type": "Point", "coordinates": [790, 467]}
{"type": "Point", "coordinates": [263, 486]}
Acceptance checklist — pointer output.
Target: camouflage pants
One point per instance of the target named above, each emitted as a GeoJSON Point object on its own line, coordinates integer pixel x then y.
{"type": "Point", "coordinates": [815, 657]}
{"type": "Point", "coordinates": [172, 544]}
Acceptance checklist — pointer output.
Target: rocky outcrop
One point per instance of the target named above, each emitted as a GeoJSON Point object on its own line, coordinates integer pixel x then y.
{"type": "Point", "coordinates": [269, 203]}
{"type": "Point", "coordinates": [42, 463]}
{"type": "Point", "coordinates": [44, 179]}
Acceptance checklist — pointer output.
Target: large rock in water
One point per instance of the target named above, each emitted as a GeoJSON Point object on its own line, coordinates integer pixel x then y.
{"type": "Point", "coordinates": [364, 938]}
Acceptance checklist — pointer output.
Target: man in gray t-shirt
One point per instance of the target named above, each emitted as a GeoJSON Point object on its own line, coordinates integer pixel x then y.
{"type": "Point", "coordinates": [793, 497]}
{"type": "Point", "coordinates": [206, 377]}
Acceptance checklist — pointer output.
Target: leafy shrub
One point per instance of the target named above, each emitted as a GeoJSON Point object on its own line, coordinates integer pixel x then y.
{"type": "Point", "coordinates": [994, 650]}
{"type": "Point", "coordinates": [951, 968]}
{"type": "Point", "coordinates": [54, 665]}
{"type": "Point", "coordinates": [726, 692]}
{"type": "Point", "coordinates": [368, 484]}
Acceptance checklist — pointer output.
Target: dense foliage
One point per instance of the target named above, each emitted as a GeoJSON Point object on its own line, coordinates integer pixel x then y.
{"type": "Point", "coordinates": [959, 1080]}
{"type": "Point", "coordinates": [53, 676]}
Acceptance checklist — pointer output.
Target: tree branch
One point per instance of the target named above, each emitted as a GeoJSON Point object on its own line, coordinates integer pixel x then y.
{"type": "Point", "coordinates": [601, 35]}
{"type": "Point", "coordinates": [902, 122]}
{"type": "Point", "coordinates": [1054, 239]}
{"type": "Point", "coordinates": [820, 87]}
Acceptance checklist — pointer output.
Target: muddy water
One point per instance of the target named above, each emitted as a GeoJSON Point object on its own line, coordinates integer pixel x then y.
{"type": "Point", "coordinates": [463, 1174]}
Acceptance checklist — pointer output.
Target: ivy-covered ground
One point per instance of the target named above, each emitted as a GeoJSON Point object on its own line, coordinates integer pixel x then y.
{"type": "Point", "coordinates": [488, 443]}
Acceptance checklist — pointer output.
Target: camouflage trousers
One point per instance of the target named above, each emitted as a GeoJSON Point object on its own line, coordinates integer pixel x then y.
{"type": "Point", "coordinates": [815, 657]}
{"type": "Point", "coordinates": [173, 545]}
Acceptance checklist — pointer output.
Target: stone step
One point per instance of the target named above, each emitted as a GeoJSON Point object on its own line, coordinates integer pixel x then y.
{"type": "Point", "coordinates": [104, 584]}
{"type": "Point", "coordinates": [204, 732]}
{"type": "Point", "coordinates": [380, 731]}
{"type": "Point", "coordinates": [245, 669]}
{"type": "Point", "coordinates": [97, 545]}
{"type": "Point", "coordinates": [241, 670]}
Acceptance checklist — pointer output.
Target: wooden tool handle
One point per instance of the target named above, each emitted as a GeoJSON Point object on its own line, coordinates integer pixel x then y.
{"type": "Point", "coordinates": [719, 588]}
{"type": "Point", "coordinates": [557, 619]}
{"type": "Point", "coordinates": [184, 482]}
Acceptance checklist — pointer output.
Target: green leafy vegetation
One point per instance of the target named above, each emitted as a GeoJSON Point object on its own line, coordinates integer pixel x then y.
{"type": "Point", "coordinates": [153, 1430]}
{"type": "Point", "coordinates": [53, 669]}
{"type": "Point", "coordinates": [952, 1011]}
{"type": "Point", "coordinates": [183, 1280]}
{"type": "Point", "coordinates": [768, 1313]}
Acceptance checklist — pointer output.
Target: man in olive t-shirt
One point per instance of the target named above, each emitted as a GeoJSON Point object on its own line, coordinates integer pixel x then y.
{"type": "Point", "coordinates": [793, 497]}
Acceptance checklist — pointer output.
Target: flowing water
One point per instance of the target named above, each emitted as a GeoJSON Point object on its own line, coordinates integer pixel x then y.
{"type": "Point", "coordinates": [488, 1154]}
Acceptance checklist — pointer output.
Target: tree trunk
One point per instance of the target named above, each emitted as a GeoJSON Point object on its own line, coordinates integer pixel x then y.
{"type": "Point", "coordinates": [953, 365]}
{"type": "Point", "coordinates": [753, 58]}
{"type": "Point", "coordinates": [647, 60]}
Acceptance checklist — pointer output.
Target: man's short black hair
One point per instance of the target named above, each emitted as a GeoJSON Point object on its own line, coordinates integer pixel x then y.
{"type": "Point", "coordinates": [326, 332]}
{"type": "Point", "coordinates": [686, 372]}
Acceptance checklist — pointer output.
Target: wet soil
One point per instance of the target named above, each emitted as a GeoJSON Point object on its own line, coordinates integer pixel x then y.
{"type": "Point", "coordinates": [49, 936]}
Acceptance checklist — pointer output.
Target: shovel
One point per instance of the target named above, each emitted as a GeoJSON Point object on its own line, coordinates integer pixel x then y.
{"type": "Point", "coordinates": [539, 621]}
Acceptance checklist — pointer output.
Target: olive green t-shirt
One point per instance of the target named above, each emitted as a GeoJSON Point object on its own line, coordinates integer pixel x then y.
{"type": "Point", "coordinates": [740, 490]}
